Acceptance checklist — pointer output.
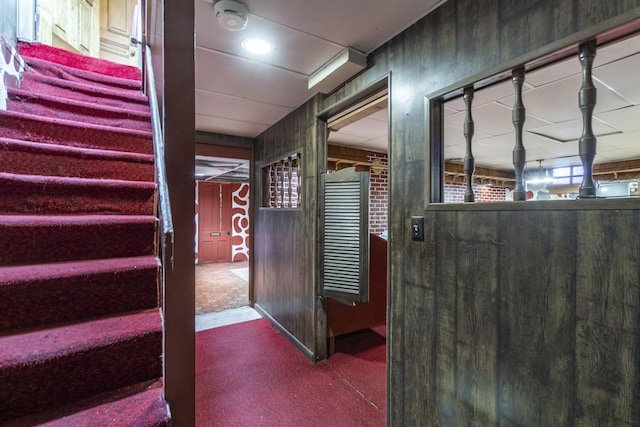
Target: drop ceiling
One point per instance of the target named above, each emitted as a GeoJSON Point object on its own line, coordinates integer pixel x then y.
{"type": "Point", "coordinates": [242, 94]}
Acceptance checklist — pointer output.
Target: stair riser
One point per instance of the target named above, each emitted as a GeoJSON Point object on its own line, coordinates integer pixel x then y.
{"type": "Point", "coordinates": [29, 128]}
{"type": "Point", "coordinates": [32, 388]}
{"type": "Point", "coordinates": [33, 198]}
{"type": "Point", "coordinates": [75, 298]}
{"type": "Point", "coordinates": [39, 84]}
{"type": "Point", "coordinates": [24, 244]}
{"type": "Point", "coordinates": [60, 110]}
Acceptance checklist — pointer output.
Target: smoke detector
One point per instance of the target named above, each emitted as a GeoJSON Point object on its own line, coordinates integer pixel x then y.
{"type": "Point", "coordinates": [231, 14]}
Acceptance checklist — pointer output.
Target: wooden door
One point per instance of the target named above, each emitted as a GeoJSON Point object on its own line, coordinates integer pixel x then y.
{"type": "Point", "coordinates": [116, 19]}
{"type": "Point", "coordinates": [214, 222]}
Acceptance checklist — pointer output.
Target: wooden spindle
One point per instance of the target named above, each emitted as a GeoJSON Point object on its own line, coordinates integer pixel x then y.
{"type": "Point", "coordinates": [469, 163]}
{"type": "Point", "coordinates": [518, 118]}
{"type": "Point", "coordinates": [587, 102]}
{"type": "Point", "coordinates": [289, 173]}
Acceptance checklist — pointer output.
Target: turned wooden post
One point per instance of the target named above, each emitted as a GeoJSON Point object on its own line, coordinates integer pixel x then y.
{"type": "Point", "coordinates": [587, 102]}
{"type": "Point", "coordinates": [519, 153]}
{"type": "Point", "coordinates": [469, 163]}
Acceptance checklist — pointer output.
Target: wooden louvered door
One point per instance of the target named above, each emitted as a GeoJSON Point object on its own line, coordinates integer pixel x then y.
{"type": "Point", "coordinates": [345, 251]}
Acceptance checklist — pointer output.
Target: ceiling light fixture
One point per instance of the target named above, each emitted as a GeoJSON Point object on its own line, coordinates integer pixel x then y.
{"type": "Point", "coordinates": [257, 46]}
{"type": "Point", "coordinates": [231, 14]}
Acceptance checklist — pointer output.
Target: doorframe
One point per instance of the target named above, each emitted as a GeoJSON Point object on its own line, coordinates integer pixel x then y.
{"type": "Point", "coordinates": [384, 83]}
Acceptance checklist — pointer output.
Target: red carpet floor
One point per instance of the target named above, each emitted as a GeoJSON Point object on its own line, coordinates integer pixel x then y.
{"type": "Point", "coordinates": [248, 374]}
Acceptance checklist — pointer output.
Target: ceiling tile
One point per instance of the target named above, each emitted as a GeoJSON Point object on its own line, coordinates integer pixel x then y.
{"type": "Point", "coordinates": [572, 130]}
{"type": "Point", "coordinates": [251, 80]}
{"type": "Point", "coordinates": [558, 101]}
{"type": "Point", "coordinates": [228, 127]}
{"type": "Point", "coordinates": [377, 21]}
{"type": "Point", "coordinates": [293, 49]}
{"type": "Point", "coordinates": [625, 119]}
{"type": "Point", "coordinates": [230, 107]}
{"type": "Point", "coordinates": [486, 95]}
{"type": "Point", "coordinates": [367, 128]}
{"type": "Point", "coordinates": [492, 119]}
{"type": "Point", "coordinates": [554, 72]}
{"type": "Point", "coordinates": [617, 50]}
{"type": "Point", "coordinates": [622, 77]}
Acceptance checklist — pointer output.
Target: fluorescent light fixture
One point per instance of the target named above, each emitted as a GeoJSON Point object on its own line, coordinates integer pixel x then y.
{"type": "Point", "coordinates": [342, 67]}
{"type": "Point", "coordinates": [257, 46]}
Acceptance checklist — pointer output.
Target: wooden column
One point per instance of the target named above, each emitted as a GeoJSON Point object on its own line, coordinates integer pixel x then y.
{"type": "Point", "coordinates": [519, 152]}
{"type": "Point", "coordinates": [469, 163]}
{"type": "Point", "coordinates": [587, 102]}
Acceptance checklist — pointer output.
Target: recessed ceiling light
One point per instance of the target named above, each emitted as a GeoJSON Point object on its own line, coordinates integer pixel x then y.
{"type": "Point", "coordinates": [257, 46]}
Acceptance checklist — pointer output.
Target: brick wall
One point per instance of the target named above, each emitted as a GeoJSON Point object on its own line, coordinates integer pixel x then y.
{"type": "Point", "coordinates": [379, 195]}
{"type": "Point", "coordinates": [454, 193]}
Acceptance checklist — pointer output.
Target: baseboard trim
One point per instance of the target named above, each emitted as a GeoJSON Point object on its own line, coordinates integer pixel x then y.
{"type": "Point", "coordinates": [303, 349]}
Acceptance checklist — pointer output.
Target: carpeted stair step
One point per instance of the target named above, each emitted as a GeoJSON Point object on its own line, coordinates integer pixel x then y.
{"type": "Point", "coordinates": [54, 195]}
{"type": "Point", "coordinates": [82, 62]}
{"type": "Point", "coordinates": [29, 127]}
{"type": "Point", "coordinates": [71, 291]}
{"type": "Point", "coordinates": [25, 157]}
{"type": "Point", "coordinates": [86, 112]}
{"type": "Point", "coordinates": [26, 239]}
{"type": "Point", "coordinates": [57, 366]}
{"type": "Point", "coordinates": [64, 72]}
{"type": "Point", "coordinates": [39, 83]}
{"type": "Point", "coordinates": [136, 405]}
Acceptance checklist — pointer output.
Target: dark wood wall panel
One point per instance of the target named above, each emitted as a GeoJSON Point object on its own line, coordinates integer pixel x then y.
{"type": "Point", "coordinates": [285, 239]}
{"type": "Point", "coordinates": [608, 319]}
{"type": "Point", "coordinates": [536, 318]}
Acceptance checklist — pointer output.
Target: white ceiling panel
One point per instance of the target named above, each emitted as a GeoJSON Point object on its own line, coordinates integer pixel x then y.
{"type": "Point", "coordinates": [492, 119]}
{"type": "Point", "coordinates": [554, 72]}
{"type": "Point", "coordinates": [346, 139]}
{"type": "Point", "coordinates": [616, 75]}
{"type": "Point", "coordinates": [216, 72]}
{"type": "Point", "coordinates": [361, 24]}
{"type": "Point", "coordinates": [230, 107]}
{"type": "Point", "coordinates": [227, 126]}
{"type": "Point", "coordinates": [558, 101]}
{"type": "Point", "coordinates": [572, 130]}
{"type": "Point", "coordinates": [486, 95]}
{"type": "Point", "coordinates": [292, 49]}
{"type": "Point", "coordinates": [366, 127]}
{"type": "Point", "coordinates": [625, 119]}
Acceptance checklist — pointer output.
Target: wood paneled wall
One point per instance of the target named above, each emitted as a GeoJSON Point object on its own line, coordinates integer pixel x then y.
{"type": "Point", "coordinates": [501, 317]}
{"type": "Point", "coordinates": [285, 240]}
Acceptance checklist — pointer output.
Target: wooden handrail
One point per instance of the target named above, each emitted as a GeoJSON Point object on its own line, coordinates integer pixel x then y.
{"type": "Point", "coordinates": [164, 204]}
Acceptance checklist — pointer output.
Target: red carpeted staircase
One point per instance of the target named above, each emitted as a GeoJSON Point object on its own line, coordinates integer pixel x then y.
{"type": "Point", "coordinates": [80, 324]}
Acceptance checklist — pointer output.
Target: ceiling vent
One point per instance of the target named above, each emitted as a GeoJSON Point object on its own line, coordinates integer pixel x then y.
{"type": "Point", "coordinates": [338, 70]}
{"type": "Point", "coordinates": [231, 14]}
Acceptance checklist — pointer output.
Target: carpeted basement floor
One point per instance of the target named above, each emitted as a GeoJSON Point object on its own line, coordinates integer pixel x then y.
{"type": "Point", "coordinates": [248, 374]}
{"type": "Point", "coordinates": [221, 286]}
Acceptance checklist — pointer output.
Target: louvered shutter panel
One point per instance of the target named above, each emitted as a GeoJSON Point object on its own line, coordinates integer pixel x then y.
{"type": "Point", "coordinates": [345, 267]}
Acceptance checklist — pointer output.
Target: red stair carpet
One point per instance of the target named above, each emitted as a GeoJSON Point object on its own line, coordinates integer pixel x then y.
{"type": "Point", "coordinates": [80, 324]}
{"type": "Point", "coordinates": [248, 374]}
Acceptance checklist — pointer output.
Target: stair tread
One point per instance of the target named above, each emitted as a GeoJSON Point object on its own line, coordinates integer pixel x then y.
{"type": "Point", "coordinates": [135, 405]}
{"type": "Point", "coordinates": [73, 123]}
{"type": "Point", "coordinates": [71, 220]}
{"type": "Point", "coordinates": [65, 103]}
{"type": "Point", "coordinates": [55, 270]}
{"type": "Point", "coordinates": [36, 347]}
{"type": "Point", "coordinates": [77, 61]}
{"type": "Point", "coordinates": [81, 152]}
{"type": "Point", "coordinates": [42, 65]}
{"type": "Point", "coordinates": [76, 181]}
{"type": "Point", "coordinates": [98, 92]}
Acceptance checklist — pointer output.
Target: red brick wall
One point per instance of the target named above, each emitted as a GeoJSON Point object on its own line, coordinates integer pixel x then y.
{"type": "Point", "coordinates": [454, 193]}
{"type": "Point", "coordinates": [378, 196]}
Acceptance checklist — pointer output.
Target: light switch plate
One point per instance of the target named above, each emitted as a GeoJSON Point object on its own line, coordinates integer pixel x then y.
{"type": "Point", "coordinates": [417, 228]}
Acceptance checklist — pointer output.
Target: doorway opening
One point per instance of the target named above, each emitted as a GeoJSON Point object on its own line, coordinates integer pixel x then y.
{"type": "Point", "coordinates": [358, 140]}
{"type": "Point", "coordinates": [222, 231]}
